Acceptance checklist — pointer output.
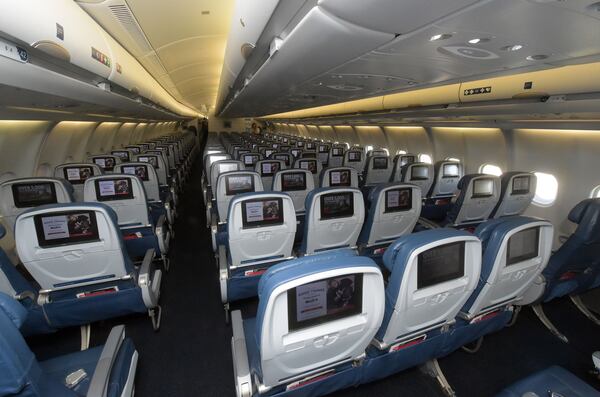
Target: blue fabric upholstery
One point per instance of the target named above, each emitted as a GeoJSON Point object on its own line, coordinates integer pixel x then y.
{"type": "Point", "coordinates": [396, 258]}
{"type": "Point", "coordinates": [2, 231]}
{"type": "Point", "coordinates": [554, 380]}
{"type": "Point", "coordinates": [575, 267]}
{"type": "Point", "coordinates": [371, 197]}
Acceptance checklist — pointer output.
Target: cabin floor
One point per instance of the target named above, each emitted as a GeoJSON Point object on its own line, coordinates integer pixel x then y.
{"type": "Point", "coordinates": [191, 354]}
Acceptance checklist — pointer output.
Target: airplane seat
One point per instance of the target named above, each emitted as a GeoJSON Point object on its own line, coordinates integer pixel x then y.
{"type": "Point", "coordinates": [316, 316]}
{"type": "Point", "coordinates": [334, 218]}
{"type": "Point", "coordinates": [216, 169]}
{"type": "Point", "coordinates": [76, 174]}
{"type": "Point", "coordinates": [261, 229]}
{"type": "Point", "coordinates": [575, 267]}
{"type": "Point", "coordinates": [297, 183]}
{"type": "Point", "coordinates": [400, 160]}
{"type": "Point", "coordinates": [230, 184]}
{"type": "Point", "coordinates": [267, 169]}
{"type": "Point", "coordinates": [447, 175]}
{"type": "Point", "coordinates": [18, 195]}
{"type": "Point", "coordinates": [517, 191]}
{"type": "Point", "coordinates": [106, 370]}
{"type": "Point", "coordinates": [339, 177]}
{"type": "Point", "coordinates": [355, 158]}
{"type": "Point", "coordinates": [431, 276]}
{"type": "Point", "coordinates": [478, 195]}
{"type": "Point", "coordinates": [336, 156]}
{"type": "Point", "coordinates": [76, 254]}
{"type": "Point", "coordinates": [167, 192]}
{"type": "Point", "coordinates": [106, 162]}
{"type": "Point", "coordinates": [393, 211]}
{"type": "Point", "coordinates": [515, 252]}
{"type": "Point", "coordinates": [420, 174]}
{"type": "Point", "coordinates": [147, 174]}
{"type": "Point", "coordinates": [250, 159]}
{"type": "Point", "coordinates": [323, 153]}
{"type": "Point", "coordinates": [311, 164]}
{"type": "Point", "coordinates": [377, 170]}
{"type": "Point", "coordinates": [125, 155]}
{"type": "Point", "coordinates": [126, 195]}
{"type": "Point", "coordinates": [552, 381]}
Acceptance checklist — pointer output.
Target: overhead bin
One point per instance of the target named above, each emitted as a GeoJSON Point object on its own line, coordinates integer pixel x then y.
{"type": "Point", "coordinates": [63, 30]}
{"type": "Point", "coordinates": [393, 16]}
{"type": "Point", "coordinates": [288, 66]}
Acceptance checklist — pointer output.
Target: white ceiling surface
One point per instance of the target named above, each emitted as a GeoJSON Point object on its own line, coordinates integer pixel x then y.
{"type": "Point", "coordinates": [175, 40]}
{"type": "Point", "coordinates": [316, 69]}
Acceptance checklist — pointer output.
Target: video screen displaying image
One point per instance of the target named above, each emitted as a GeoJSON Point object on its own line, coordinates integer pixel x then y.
{"type": "Point", "coordinates": [285, 140]}
{"type": "Point", "coordinates": [291, 181]}
{"type": "Point", "coordinates": [309, 155]}
{"type": "Point", "coordinates": [283, 157]}
{"type": "Point", "coordinates": [323, 149]}
{"type": "Point", "coordinates": [337, 205]}
{"type": "Point", "coordinates": [299, 144]}
{"type": "Point", "coordinates": [269, 152]}
{"type": "Point", "coordinates": [354, 156]}
{"type": "Point", "coordinates": [441, 264]}
{"type": "Point", "coordinates": [483, 188]}
{"type": "Point", "coordinates": [310, 165]}
{"type": "Point", "coordinates": [77, 175]}
{"type": "Point", "coordinates": [141, 171]}
{"type": "Point", "coordinates": [520, 185]}
{"type": "Point", "coordinates": [275, 145]}
{"type": "Point", "coordinates": [236, 184]}
{"type": "Point", "coordinates": [114, 189]}
{"type": "Point", "coordinates": [419, 173]}
{"type": "Point", "coordinates": [122, 154]}
{"type": "Point", "coordinates": [295, 152]}
{"type": "Point", "coordinates": [134, 149]}
{"type": "Point", "coordinates": [523, 245]}
{"type": "Point", "coordinates": [337, 151]}
{"type": "Point", "coordinates": [380, 163]}
{"type": "Point", "coordinates": [153, 160]}
{"type": "Point", "coordinates": [324, 301]}
{"type": "Point", "coordinates": [257, 213]}
{"type": "Point", "coordinates": [250, 159]}
{"type": "Point", "coordinates": [450, 171]}
{"type": "Point", "coordinates": [269, 168]}
{"type": "Point", "coordinates": [33, 194]}
{"type": "Point", "coordinates": [73, 227]}
{"type": "Point", "coordinates": [310, 145]}
{"type": "Point", "coordinates": [404, 160]}
{"type": "Point", "coordinates": [106, 163]}
{"type": "Point", "coordinates": [340, 178]}
{"type": "Point", "coordinates": [397, 200]}
{"type": "Point", "coordinates": [227, 167]}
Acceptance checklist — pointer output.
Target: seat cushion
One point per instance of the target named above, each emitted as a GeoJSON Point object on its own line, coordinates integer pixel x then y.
{"type": "Point", "coordinates": [555, 380]}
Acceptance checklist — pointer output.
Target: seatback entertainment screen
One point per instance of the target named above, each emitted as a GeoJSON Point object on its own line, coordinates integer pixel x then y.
{"type": "Point", "coordinates": [520, 184]}
{"type": "Point", "coordinates": [340, 178]}
{"type": "Point", "coordinates": [441, 264]}
{"type": "Point", "coordinates": [262, 212]}
{"type": "Point", "coordinates": [380, 163]}
{"type": "Point", "coordinates": [72, 227]}
{"type": "Point", "coordinates": [141, 171]}
{"type": "Point", "coordinates": [77, 175]}
{"type": "Point", "coordinates": [419, 173]}
{"type": "Point", "coordinates": [236, 184]}
{"type": "Point", "coordinates": [293, 181]}
{"type": "Point", "coordinates": [33, 194]}
{"type": "Point", "coordinates": [114, 189]}
{"type": "Point", "coordinates": [337, 205]}
{"type": "Point", "coordinates": [483, 188]}
{"type": "Point", "coordinates": [397, 200]}
{"type": "Point", "coordinates": [523, 245]}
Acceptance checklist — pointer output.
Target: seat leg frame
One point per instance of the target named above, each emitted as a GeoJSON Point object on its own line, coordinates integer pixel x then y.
{"type": "Point", "coordinates": [155, 316]}
{"type": "Point", "coordinates": [539, 311]}
{"type": "Point", "coordinates": [86, 333]}
{"type": "Point", "coordinates": [433, 369]}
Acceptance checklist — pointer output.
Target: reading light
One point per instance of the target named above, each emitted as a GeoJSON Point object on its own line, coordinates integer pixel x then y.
{"type": "Point", "coordinates": [479, 40]}
{"type": "Point", "coordinates": [442, 36]}
{"type": "Point", "coordinates": [515, 47]}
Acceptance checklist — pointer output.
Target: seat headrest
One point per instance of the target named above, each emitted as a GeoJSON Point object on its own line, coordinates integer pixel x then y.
{"type": "Point", "coordinates": [2, 231]}
{"type": "Point", "coordinates": [578, 212]}
{"type": "Point", "coordinates": [13, 309]}
{"type": "Point", "coordinates": [400, 250]}
{"type": "Point", "coordinates": [497, 228]}
{"type": "Point", "coordinates": [587, 215]}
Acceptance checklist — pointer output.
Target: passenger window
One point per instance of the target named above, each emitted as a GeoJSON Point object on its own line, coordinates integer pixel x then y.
{"type": "Point", "coordinates": [453, 159]}
{"type": "Point", "coordinates": [490, 169]}
{"type": "Point", "coordinates": [369, 148]}
{"type": "Point", "coordinates": [425, 158]}
{"type": "Point", "coordinates": [546, 190]}
{"type": "Point", "coordinates": [595, 193]}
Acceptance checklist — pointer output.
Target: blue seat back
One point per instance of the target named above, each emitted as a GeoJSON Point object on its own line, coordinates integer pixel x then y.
{"type": "Point", "coordinates": [447, 176]}
{"type": "Point", "coordinates": [517, 191]}
{"type": "Point", "coordinates": [479, 194]}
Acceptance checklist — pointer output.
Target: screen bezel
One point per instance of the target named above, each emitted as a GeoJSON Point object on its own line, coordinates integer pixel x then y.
{"type": "Point", "coordinates": [379, 166]}
{"type": "Point", "coordinates": [30, 204]}
{"type": "Point", "coordinates": [128, 196]}
{"type": "Point", "coordinates": [157, 166]}
{"type": "Point", "coordinates": [349, 184]}
{"type": "Point", "coordinates": [458, 274]}
{"type": "Point", "coordinates": [293, 189]}
{"type": "Point", "coordinates": [482, 195]}
{"type": "Point", "coordinates": [419, 178]}
{"type": "Point", "coordinates": [295, 325]}
{"type": "Point", "coordinates": [79, 181]}
{"type": "Point", "coordinates": [405, 208]}
{"type": "Point", "coordinates": [105, 158]}
{"type": "Point", "coordinates": [521, 191]}
{"type": "Point", "coordinates": [43, 243]}
{"type": "Point", "coordinates": [146, 167]}
{"type": "Point", "coordinates": [515, 260]}
{"type": "Point", "coordinates": [229, 192]}
{"type": "Point", "coordinates": [347, 214]}
{"type": "Point", "coordinates": [444, 175]}
{"type": "Point", "coordinates": [355, 153]}
{"type": "Point", "coordinates": [252, 225]}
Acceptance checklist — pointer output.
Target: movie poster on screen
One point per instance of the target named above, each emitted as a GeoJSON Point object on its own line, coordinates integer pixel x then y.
{"type": "Point", "coordinates": [311, 300]}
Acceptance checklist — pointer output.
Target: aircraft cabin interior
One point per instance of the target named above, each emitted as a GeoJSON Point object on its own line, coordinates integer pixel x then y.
{"type": "Point", "coordinates": [300, 198]}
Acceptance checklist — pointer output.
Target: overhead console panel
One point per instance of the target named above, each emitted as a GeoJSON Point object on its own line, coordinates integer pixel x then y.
{"type": "Point", "coordinates": [61, 30]}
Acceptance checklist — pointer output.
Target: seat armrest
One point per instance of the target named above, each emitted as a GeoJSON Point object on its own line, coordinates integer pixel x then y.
{"type": "Point", "coordinates": [149, 280]}
{"type": "Point", "coordinates": [163, 234]}
{"type": "Point", "coordinates": [25, 295]}
{"type": "Point", "coordinates": [99, 383]}
{"type": "Point", "coordinates": [241, 366]}
{"type": "Point", "coordinates": [223, 272]}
